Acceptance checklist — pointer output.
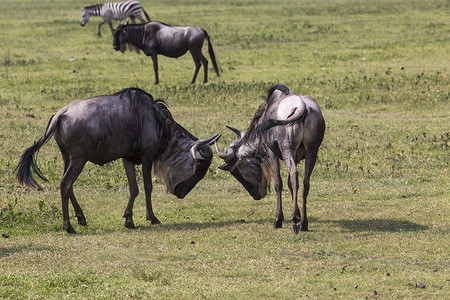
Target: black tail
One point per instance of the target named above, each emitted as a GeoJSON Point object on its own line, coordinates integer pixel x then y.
{"type": "Point", "coordinates": [29, 157]}
{"type": "Point", "coordinates": [146, 15]}
{"type": "Point", "coordinates": [297, 115]}
{"type": "Point", "coordinates": [211, 54]}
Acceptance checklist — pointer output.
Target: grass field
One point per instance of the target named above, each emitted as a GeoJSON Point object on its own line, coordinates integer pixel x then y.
{"type": "Point", "coordinates": [378, 208]}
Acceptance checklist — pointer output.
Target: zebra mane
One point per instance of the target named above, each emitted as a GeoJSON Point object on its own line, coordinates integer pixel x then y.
{"type": "Point", "coordinates": [93, 9]}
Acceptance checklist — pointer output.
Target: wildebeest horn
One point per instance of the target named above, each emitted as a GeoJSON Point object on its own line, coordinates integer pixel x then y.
{"type": "Point", "coordinates": [240, 133]}
{"type": "Point", "coordinates": [227, 156]}
{"type": "Point", "coordinates": [198, 144]}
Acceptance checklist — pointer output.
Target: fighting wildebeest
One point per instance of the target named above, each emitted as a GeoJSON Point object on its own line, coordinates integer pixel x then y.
{"type": "Point", "coordinates": [113, 11]}
{"type": "Point", "coordinates": [289, 127]}
{"type": "Point", "coordinates": [173, 41]}
{"type": "Point", "coordinates": [130, 125]}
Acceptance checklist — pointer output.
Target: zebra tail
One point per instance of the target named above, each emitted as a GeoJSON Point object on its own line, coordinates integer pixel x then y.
{"type": "Point", "coordinates": [28, 159]}
{"type": "Point", "coordinates": [146, 15]}
{"type": "Point", "coordinates": [211, 53]}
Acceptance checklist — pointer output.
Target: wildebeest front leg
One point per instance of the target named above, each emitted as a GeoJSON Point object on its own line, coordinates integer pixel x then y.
{"type": "Point", "coordinates": [278, 183]}
{"type": "Point", "coordinates": [147, 174]}
{"type": "Point", "coordinates": [196, 56]}
{"type": "Point", "coordinates": [155, 66]}
{"type": "Point", "coordinates": [134, 191]}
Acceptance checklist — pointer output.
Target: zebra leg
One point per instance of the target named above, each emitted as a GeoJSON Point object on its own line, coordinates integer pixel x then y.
{"type": "Point", "coordinates": [100, 25]}
{"type": "Point", "coordinates": [141, 19]}
{"type": "Point", "coordinates": [110, 26]}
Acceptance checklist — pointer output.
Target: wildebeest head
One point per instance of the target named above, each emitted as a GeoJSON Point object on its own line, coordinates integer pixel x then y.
{"type": "Point", "coordinates": [120, 38]}
{"type": "Point", "coordinates": [248, 163]}
{"type": "Point", "coordinates": [183, 170]}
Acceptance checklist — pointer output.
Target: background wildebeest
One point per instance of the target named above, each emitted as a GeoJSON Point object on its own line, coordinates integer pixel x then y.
{"type": "Point", "coordinates": [128, 125]}
{"type": "Point", "coordinates": [113, 11]}
{"type": "Point", "coordinates": [288, 127]}
{"type": "Point", "coordinates": [173, 41]}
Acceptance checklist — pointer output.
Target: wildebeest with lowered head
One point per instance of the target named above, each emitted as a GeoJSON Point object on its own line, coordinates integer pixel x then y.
{"type": "Point", "coordinates": [289, 127]}
{"type": "Point", "coordinates": [173, 41]}
{"type": "Point", "coordinates": [130, 125]}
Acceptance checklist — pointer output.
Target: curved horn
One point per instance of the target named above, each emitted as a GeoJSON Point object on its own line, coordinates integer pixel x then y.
{"type": "Point", "coordinates": [203, 142]}
{"type": "Point", "coordinates": [227, 156]}
{"type": "Point", "coordinates": [240, 133]}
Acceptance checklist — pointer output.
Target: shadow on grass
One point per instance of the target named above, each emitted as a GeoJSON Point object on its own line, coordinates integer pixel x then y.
{"type": "Point", "coordinates": [381, 225]}
{"type": "Point", "coordinates": [200, 226]}
{"type": "Point", "coordinates": [173, 226]}
{"type": "Point", "coordinates": [4, 252]}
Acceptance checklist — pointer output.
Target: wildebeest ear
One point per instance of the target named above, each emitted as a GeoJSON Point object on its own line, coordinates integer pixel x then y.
{"type": "Point", "coordinates": [228, 166]}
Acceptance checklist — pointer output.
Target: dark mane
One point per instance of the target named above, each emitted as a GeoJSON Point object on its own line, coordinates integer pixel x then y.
{"type": "Point", "coordinates": [160, 110]}
{"type": "Point", "coordinates": [92, 7]}
{"type": "Point", "coordinates": [143, 24]}
{"type": "Point", "coordinates": [281, 87]}
{"type": "Point", "coordinates": [258, 114]}
{"type": "Point", "coordinates": [159, 107]}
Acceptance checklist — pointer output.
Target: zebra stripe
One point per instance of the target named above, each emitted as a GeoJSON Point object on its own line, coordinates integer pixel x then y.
{"type": "Point", "coordinates": [115, 10]}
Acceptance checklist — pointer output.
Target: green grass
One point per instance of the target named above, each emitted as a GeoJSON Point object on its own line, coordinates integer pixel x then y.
{"type": "Point", "coordinates": [379, 201]}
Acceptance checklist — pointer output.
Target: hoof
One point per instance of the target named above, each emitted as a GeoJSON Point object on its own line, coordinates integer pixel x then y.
{"type": "Point", "coordinates": [129, 224]}
{"type": "Point", "coordinates": [278, 224]}
{"type": "Point", "coordinates": [81, 220]}
{"type": "Point", "coordinates": [304, 226]}
{"type": "Point", "coordinates": [70, 230]}
{"type": "Point", "coordinates": [155, 221]}
{"type": "Point", "coordinates": [296, 228]}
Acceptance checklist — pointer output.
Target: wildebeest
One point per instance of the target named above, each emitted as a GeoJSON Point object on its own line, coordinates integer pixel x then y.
{"type": "Point", "coordinates": [113, 11]}
{"type": "Point", "coordinates": [173, 41]}
{"type": "Point", "coordinates": [289, 127]}
{"type": "Point", "coordinates": [130, 125]}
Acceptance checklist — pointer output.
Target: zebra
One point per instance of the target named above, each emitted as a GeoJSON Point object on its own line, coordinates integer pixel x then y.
{"type": "Point", "coordinates": [113, 11]}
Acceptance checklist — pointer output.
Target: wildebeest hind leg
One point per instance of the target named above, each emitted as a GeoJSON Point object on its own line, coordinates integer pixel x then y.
{"type": "Point", "coordinates": [134, 191]}
{"type": "Point", "coordinates": [293, 186]}
{"type": "Point", "coordinates": [78, 211]}
{"type": "Point", "coordinates": [205, 66]}
{"type": "Point", "coordinates": [310, 161]}
{"type": "Point", "coordinates": [74, 169]}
